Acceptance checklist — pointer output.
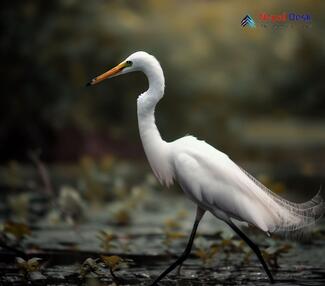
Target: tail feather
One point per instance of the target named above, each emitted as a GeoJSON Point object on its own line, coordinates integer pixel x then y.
{"type": "Point", "coordinates": [303, 215]}
{"type": "Point", "coordinates": [293, 217]}
{"type": "Point", "coordinates": [297, 217]}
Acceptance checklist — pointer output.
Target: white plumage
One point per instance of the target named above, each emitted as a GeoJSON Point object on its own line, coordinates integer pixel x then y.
{"type": "Point", "coordinates": [216, 183]}
{"type": "Point", "coordinates": [207, 176]}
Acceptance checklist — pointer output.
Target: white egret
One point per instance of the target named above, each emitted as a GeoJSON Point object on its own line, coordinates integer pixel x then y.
{"type": "Point", "coordinates": [206, 175]}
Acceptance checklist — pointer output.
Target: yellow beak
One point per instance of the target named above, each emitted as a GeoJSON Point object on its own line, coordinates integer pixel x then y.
{"type": "Point", "coordinates": [108, 74]}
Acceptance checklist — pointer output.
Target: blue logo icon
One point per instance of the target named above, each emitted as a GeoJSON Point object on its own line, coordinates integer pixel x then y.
{"type": "Point", "coordinates": [248, 21]}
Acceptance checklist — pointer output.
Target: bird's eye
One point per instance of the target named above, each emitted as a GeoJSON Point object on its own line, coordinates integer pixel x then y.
{"type": "Point", "coordinates": [129, 63]}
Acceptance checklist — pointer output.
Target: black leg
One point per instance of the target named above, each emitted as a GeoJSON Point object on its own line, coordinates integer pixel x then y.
{"type": "Point", "coordinates": [187, 251]}
{"type": "Point", "coordinates": [254, 247]}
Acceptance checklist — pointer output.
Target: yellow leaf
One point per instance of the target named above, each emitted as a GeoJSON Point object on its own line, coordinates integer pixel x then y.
{"type": "Point", "coordinates": [171, 223]}
{"type": "Point", "coordinates": [19, 230]}
{"type": "Point", "coordinates": [112, 262]}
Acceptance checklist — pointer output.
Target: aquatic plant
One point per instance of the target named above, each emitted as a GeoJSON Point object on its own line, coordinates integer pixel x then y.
{"type": "Point", "coordinates": [273, 253]}
{"type": "Point", "coordinates": [16, 230]}
{"type": "Point", "coordinates": [106, 240]}
{"type": "Point", "coordinates": [206, 254]}
{"type": "Point", "coordinates": [90, 266]}
{"type": "Point", "coordinates": [113, 263]}
{"type": "Point", "coordinates": [30, 268]}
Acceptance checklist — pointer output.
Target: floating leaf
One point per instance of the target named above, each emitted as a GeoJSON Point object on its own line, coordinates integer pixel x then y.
{"type": "Point", "coordinates": [112, 262]}
{"type": "Point", "coordinates": [106, 239]}
{"type": "Point", "coordinates": [122, 217]}
{"type": "Point", "coordinates": [171, 223]}
{"type": "Point", "coordinates": [273, 253]}
{"type": "Point", "coordinates": [71, 204]}
{"type": "Point", "coordinates": [207, 254]}
{"type": "Point", "coordinates": [89, 266]}
{"type": "Point", "coordinates": [18, 230]}
{"type": "Point", "coordinates": [170, 236]}
{"type": "Point", "coordinates": [30, 265]}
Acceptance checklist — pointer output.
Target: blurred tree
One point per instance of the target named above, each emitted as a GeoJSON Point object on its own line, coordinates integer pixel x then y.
{"type": "Point", "coordinates": [215, 72]}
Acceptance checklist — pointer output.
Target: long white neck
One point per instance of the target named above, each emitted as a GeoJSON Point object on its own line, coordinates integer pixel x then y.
{"type": "Point", "coordinates": [156, 149]}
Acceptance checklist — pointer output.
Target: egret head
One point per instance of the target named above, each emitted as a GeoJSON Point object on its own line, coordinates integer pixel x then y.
{"type": "Point", "coordinates": [138, 61]}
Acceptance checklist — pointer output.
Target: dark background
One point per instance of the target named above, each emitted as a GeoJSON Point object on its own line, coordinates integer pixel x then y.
{"type": "Point", "coordinates": [257, 94]}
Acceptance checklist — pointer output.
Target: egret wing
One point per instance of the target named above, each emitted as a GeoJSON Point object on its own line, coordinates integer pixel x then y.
{"type": "Point", "coordinates": [215, 182]}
